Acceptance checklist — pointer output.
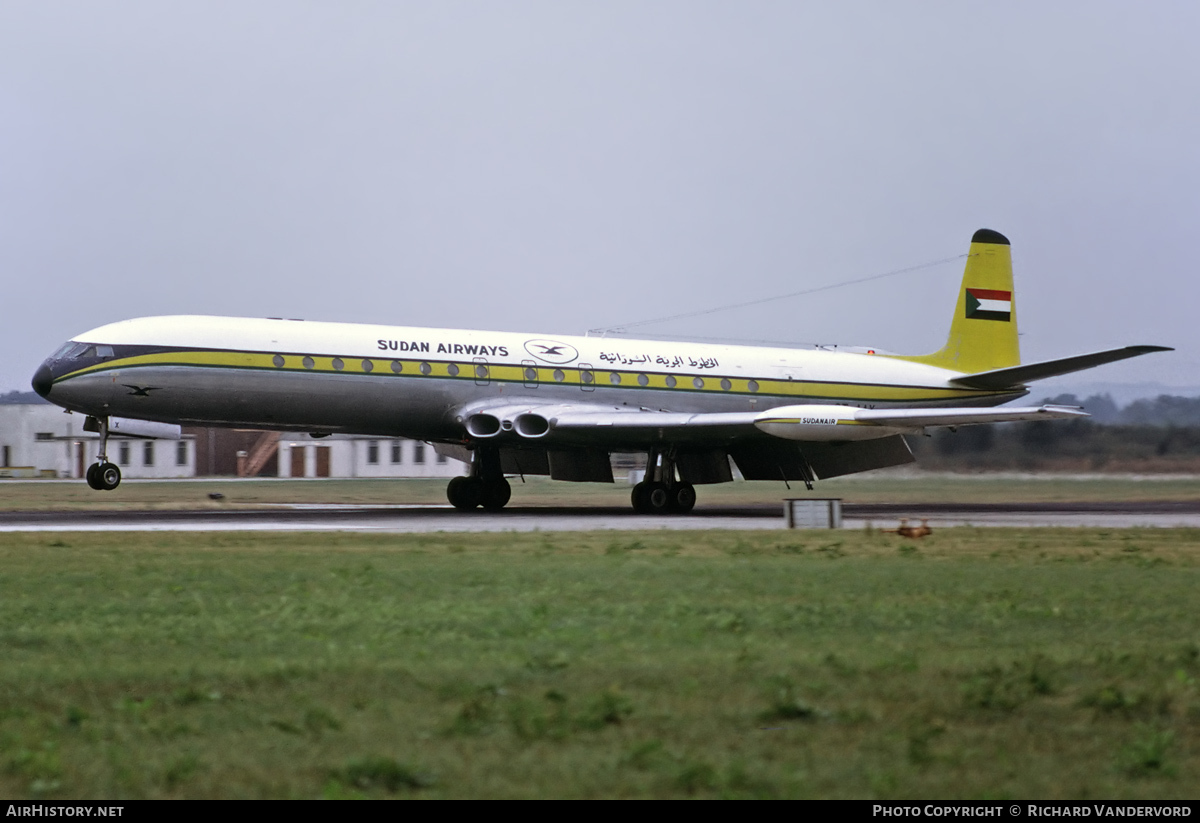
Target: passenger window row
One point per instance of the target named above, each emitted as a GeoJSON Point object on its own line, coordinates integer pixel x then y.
{"type": "Point", "coordinates": [482, 371]}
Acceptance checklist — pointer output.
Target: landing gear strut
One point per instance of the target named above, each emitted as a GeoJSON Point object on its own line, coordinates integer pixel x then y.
{"type": "Point", "coordinates": [102, 475]}
{"type": "Point", "coordinates": [484, 487]}
{"type": "Point", "coordinates": [660, 492]}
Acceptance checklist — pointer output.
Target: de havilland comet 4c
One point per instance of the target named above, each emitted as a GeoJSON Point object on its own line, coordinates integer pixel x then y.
{"type": "Point", "coordinates": [518, 404]}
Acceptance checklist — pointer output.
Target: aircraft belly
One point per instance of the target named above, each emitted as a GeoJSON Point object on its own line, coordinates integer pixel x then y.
{"type": "Point", "coordinates": [388, 406]}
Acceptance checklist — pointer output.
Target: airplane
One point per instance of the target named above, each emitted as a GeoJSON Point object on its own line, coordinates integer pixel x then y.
{"type": "Point", "coordinates": [535, 404]}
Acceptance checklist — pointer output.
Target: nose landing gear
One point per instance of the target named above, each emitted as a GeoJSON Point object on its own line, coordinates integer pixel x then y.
{"type": "Point", "coordinates": [660, 492]}
{"type": "Point", "coordinates": [102, 475]}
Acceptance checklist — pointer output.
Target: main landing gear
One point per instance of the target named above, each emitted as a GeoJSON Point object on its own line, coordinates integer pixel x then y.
{"type": "Point", "coordinates": [485, 487]}
{"type": "Point", "coordinates": [660, 492]}
{"type": "Point", "coordinates": [102, 475]}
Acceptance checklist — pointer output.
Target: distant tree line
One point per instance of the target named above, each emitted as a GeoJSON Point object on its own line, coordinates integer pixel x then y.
{"type": "Point", "coordinates": [1061, 445]}
{"type": "Point", "coordinates": [1164, 410]}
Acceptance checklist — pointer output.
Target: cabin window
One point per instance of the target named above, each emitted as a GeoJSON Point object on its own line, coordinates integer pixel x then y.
{"type": "Point", "coordinates": [397, 366]}
{"type": "Point", "coordinates": [426, 368]}
{"type": "Point", "coordinates": [278, 361]}
{"type": "Point", "coordinates": [395, 451]}
{"type": "Point", "coordinates": [372, 452]}
{"type": "Point", "coordinates": [452, 370]}
{"type": "Point", "coordinates": [368, 366]}
{"type": "Point", "coordinates": [559, 376]}
{"type": "Point", "coordinates": [614, 378]}
{"type": "Point", "coordinates": [481, 372]}
{"type": "Point", "coordinates": [725, 384]}
{"type": "Point", "coordinates": [531, 375]}
{"type": "Point", "coordinates": [308, 362]}
{"type": "Point", "coordinates": [148, 453]}
{"type": "Point", "coordinates": [752, 385]}
{"type": "Point", "coordinates": [698, 382]}
{"type": "Point", "coordinates": [123, 453]}
{"type": "Point", "coordinates": [643, 380]}
{"type": "Point", "coordinates": [338, 364]}
{"type": "Point", "coordinates": [670, 381]}
{"type": "Point", "coordinates": [181, 450]}
{"type": "Point", "coordinates": [418, 453]}
{"type": "Point", "coordinates": [585, 376]}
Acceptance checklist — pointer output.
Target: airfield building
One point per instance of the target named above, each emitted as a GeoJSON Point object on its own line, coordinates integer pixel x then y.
{"type": "Point", "coordinates": [40, 440]}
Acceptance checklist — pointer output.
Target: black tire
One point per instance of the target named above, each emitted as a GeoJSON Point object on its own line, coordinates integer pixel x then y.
{"type": "Point", "coordinates": [638, 498]}
{"type": "Point", "coordinates": [495, 495]}
{"type": "Point", "coordinates": [658, 498]}
{"type": "Point", "coordinates": [463, 493]}
{"type": "Point", "coordinates": [108, 475]}
{"type": "Point", "coordinates": [683, 498]}
{"type": "Point", "coordinates": [92, 480]}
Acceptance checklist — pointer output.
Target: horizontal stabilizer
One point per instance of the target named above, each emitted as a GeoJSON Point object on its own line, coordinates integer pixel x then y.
{"type": "Point", "coordinates": [1015, 376]}
{"type": "Point", "coordinates": [901, 418]}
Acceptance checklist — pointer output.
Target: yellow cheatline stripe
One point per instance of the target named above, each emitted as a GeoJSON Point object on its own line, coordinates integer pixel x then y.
{"type": "Point", "coordinates": [516, 374]}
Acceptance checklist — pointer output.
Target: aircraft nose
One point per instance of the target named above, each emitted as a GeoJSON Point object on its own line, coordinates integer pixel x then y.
{"type": "Point", "coordinates": [43, 379]}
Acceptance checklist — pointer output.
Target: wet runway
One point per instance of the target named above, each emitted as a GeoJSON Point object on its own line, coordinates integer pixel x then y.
{"type": "Point", "coordinates": [412, 519]}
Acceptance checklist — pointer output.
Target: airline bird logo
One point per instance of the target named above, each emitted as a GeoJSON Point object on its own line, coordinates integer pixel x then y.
{"type": "Point", "coordinates": [141, 391]}
{"type": "Point", "coordinates": [552, 351]}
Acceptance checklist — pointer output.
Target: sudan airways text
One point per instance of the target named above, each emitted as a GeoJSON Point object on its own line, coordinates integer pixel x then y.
{"type": "Point", "coordinates": [443, 348]}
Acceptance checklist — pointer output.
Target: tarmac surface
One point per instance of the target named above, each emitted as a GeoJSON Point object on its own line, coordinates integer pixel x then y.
{"type": "Point", "coordinates": [413, 519]}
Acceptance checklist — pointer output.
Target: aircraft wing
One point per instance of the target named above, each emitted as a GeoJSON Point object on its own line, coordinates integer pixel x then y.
{"type": "Point", "coordinates": [572, 441]}
{"type": "Point", "coordinates": [1018, 375]}
{"type": "Point", "coordinates": [602, 425]}
{"type": "Point", "coordinates": [963, 417]}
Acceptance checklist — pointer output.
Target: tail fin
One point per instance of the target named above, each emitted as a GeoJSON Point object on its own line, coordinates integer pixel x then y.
{"type": "Point", "coordinates": [983, 333]}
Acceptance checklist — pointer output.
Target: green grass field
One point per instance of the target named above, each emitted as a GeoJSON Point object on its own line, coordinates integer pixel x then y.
{"type": "Point", "coordinates": [874, 488]}
{"type": "Point", "coordinates": [977, 663]}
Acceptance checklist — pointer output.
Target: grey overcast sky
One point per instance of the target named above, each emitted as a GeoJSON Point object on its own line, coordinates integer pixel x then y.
{"type": "Point", "coordinates": [559, 166]}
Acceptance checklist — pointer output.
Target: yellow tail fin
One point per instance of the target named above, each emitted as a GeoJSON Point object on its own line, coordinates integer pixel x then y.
{"type": "Point", "coordinates": [983, 333]}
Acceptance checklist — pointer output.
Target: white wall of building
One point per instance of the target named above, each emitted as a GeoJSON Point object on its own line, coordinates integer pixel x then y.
{"type": "Point", "coordinates": [41, 440]}
{"type": "Point", "coordinates": [353, 456]}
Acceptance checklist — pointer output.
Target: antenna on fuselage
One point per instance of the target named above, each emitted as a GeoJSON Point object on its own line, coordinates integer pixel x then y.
{"type": "Point", "coordinates": [624, 327]}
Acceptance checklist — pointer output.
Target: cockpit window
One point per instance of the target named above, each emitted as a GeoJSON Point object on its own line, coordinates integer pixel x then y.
{"type": "Point", "coordinates": [74, 351]}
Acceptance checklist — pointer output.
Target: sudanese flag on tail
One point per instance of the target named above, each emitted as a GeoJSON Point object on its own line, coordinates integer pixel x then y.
{"type": "Point", "coordinates": [989, 304]}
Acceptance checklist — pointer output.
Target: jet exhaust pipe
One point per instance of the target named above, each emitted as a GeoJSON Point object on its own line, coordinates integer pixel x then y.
{"type": "Point", "coordinates": [531, 426]}
{"type": "Point", "coordinates": [482, 426]}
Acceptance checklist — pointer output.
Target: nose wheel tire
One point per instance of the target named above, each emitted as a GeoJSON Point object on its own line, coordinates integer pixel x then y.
{"type": "Point", "coordinates": [110, 476]}
{"type": "Point", "coordinates": [103, 476]}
